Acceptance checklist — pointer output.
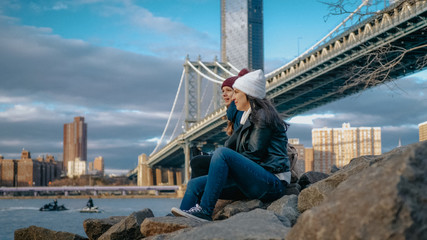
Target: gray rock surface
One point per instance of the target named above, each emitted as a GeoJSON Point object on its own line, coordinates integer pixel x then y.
{"type": "Point", "coordinates": [237, 207]}
{"type": "Point", "coordinates": [39, 233]}
{"type": "Point", "coordinates": [161, 225]}
{"type": "Point", "coordinates": [387, 200]}
{"type": "Point", "coordinates": [256, 224]}
{"type": "Point", "coordinates": [94, 228]}
{"type": "Point", "coordinates": [129, 227]}
{"type": "Point", "coordinates": [316, 193]}
{"type": "Point", "coordinates": [286, 209]}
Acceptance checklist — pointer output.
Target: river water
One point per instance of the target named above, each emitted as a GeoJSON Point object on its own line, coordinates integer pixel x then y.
{"type": "Point", "coordinates": [22, 213]}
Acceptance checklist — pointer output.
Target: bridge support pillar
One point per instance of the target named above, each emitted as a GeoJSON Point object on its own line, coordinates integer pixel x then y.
{"type": "Point", "coordinates": [145, 173]}
{"type": "Point", "coordinates": [66, 193]}
{"type": "Point", "coordinates": [158, 176]}
{"type": "Point", "coordinates": [35, 194]}
{"type": "Point", "coordinates": [178, 175]}
{"type": "Point", "coordinates": [187, 162]}
{"type": "Point", "coordinates": [170, 177]}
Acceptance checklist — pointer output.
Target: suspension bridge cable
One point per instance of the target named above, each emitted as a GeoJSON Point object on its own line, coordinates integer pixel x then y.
{"type": "Point", "coordinates": [171, 113]}
{"type": "Point", "coordinates": [177, 124]}
{"type": "Point", "coordinates": [224, 69]}
{"type": "Point", "coordinates": [207, 69]}
{"type": "Point", "coordinates": [204, 75]}
{"type": "Point", "coordinates": [321, 41]}
{"type": "Point", "coordinates": [233, 67]}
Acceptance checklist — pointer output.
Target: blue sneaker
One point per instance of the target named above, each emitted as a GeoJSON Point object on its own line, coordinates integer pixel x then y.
{"type": "Point", "coordinates": [195, 212]}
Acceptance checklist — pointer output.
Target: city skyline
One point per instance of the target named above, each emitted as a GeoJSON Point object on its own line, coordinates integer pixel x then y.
{"type": "Point", "coordinates": [118, 65]}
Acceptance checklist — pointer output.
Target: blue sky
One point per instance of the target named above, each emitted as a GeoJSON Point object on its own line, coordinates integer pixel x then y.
{"type": "Point", "coordinates": [118, 64]}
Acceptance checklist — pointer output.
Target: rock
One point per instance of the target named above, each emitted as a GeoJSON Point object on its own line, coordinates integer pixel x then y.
{"type": "Point", "coordinates": [94, 228]}
{"type": "Point", "coordinates": [237, 207]}
{"type": "Point", "coordinates": [286, 206]}
{"type": "Point", "coordinates": [39, 233]}
{"type": "Point", "coordinates": [292, 189]}
{"type": "Point", "coordinates": [317, 192]}
{"type": "Point", "coordinates": [219, 206]}
{"type": "Point", "coordinates": [129, 227]}
{"type": "Point", "coordinates": [161, 225]}
{"type": "Point", "coordinates": [256, 224]}
{"type": "Point", "coordinates": [385, 201]}
{"type": "Point", "coordinates": [311, 177]}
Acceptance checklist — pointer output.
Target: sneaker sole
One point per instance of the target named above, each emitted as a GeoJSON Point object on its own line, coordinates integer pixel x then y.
{"type": "Point", "coordinates": [179, 213]}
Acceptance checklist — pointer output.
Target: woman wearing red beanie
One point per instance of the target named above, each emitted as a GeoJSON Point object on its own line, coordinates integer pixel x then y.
{"type": "Point", "coordinates": [253, 164]}
{"type": "Point", "coordinates": [200, 164]}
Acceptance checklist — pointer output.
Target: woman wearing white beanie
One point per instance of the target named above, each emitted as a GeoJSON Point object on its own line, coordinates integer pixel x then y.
{"type": "Point", "coordinates": [253, 164]}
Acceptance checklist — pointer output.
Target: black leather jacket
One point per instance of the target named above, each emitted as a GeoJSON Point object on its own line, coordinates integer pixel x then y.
{"type": "Point", "coordinates": [262, 144]}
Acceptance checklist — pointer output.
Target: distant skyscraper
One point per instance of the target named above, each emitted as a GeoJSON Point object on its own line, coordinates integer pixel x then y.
{"type": "Point", "coordinates": [423, 131]}
{"type": "Point", "coordinates": [339, 145]}
{"type": "Point", "coordinates": [242, 33]}
{"type": "Point", "coordinates": [75, 141]}
{"type": "Point", "coordinates": [98, 164]}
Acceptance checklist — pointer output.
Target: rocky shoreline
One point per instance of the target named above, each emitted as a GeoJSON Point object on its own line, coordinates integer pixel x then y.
{"type": "Point", "coordinates": [373, 197]}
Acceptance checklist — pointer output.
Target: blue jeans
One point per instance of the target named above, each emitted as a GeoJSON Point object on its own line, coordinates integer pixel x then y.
{"type": "Point", "coordinates": [231, 176]}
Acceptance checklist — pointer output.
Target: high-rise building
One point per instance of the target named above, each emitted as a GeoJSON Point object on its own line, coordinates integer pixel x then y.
{"type": "Point", "coordinates": [337, 146]}
{"type": "Point", "coordinates": [242, 33]}
{"type": "Point", "coordinates": [423, 131]}
{"type": "Point", "coordinates": [75, 141]}
{"type": "Point", "coordinates": [98, 164]}
{"type": "Point", "coordinates": [309, 161]}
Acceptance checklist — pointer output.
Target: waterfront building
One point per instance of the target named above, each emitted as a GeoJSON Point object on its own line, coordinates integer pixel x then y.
{"type": "Point", "coordinates": [75, 141]}
{"type": "Point", "coordinates": [76, 168]}
{"type": "Point", "coordinates": [309, 159]}
{"type": "Point", "coordinates": [422, 127]}
{"type": "Point", "coordinates": [98, 165]}
{"type": "Point", "coordinates": [300, 165]}
{"type": "Point", "coordinates": [242, 33]}
{"type": "Point", "coordinates": [29, 172]}
{"type": "Point", "coordinates": [337, 146]}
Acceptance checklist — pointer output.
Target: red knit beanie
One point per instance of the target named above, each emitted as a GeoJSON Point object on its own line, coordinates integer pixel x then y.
{"type": "Point", "coordinates": [230, 81]}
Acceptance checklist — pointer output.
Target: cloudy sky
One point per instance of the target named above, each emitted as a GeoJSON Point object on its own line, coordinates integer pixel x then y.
{"type": "Point", "coordinates": [118, 64]}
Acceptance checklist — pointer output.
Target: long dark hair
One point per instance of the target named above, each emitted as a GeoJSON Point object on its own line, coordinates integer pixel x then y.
{"type": "Point", "coordinates": [271, 116]}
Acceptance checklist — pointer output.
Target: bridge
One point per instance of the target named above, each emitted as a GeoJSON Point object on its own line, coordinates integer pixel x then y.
{"type": "Point", "coordinates": [387, 45]}
{"type": "Point", "coordinates": [93, 189]}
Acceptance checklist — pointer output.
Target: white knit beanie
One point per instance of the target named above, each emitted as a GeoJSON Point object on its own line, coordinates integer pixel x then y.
{"type": "Point", "coordinates": [253, 84]}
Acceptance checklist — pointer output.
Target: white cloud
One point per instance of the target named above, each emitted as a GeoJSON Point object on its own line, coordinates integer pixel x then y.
{"type": "Point", "coordinates": [308, 119]}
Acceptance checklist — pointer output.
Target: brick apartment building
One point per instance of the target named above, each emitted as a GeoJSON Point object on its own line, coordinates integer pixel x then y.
{"type": "Point", "coordinates": [29, 172]}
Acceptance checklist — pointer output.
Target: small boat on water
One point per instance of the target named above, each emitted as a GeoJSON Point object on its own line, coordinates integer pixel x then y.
{"type": "Point", "coordinates": [94, 209]}
{"type": "Point", "coordinates": [53, 207]}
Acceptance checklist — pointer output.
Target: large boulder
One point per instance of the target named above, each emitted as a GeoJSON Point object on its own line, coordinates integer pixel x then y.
{"type": "Point", "coordinates": [39, 233]}
{"type": "Point", "coordinates": [94, 228]}
{"type": "Point", "coordinates": [129, 227]}
{"type": "Point", "coordinates": [237, 207]}
{"type": "Point", "coordinates": [162, 225]}
{"type": "Point", "coordinates": [256, 224]}
{"type": "Point", "coordinates": [316, 193]}
{"type": "Point", "coordinates": [385, 201]}
{"type": "Point", "coordinates": [286, 209]}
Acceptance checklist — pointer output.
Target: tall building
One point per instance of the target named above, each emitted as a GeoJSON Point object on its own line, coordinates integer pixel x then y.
{"type": "Point", "coordinates": [309, 159]}
{"type": "Point", "coordinates": [423, 131]}
{"type": "Point", "coordinates": [75, 141]}
{"type": "Point", "coordinates": [242, 33]}
{"type": "Point", "coordinates": [339, 145]}
{"type": "Point", "coordinates": [98, 164]}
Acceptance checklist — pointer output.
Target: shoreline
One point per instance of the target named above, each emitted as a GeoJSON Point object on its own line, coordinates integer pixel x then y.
{"type": "Point", "coordinates": [171, 195]}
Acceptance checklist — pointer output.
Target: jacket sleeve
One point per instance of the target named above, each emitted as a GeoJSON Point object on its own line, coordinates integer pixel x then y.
{"type": "Point", "coordinates": [256, 148]}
